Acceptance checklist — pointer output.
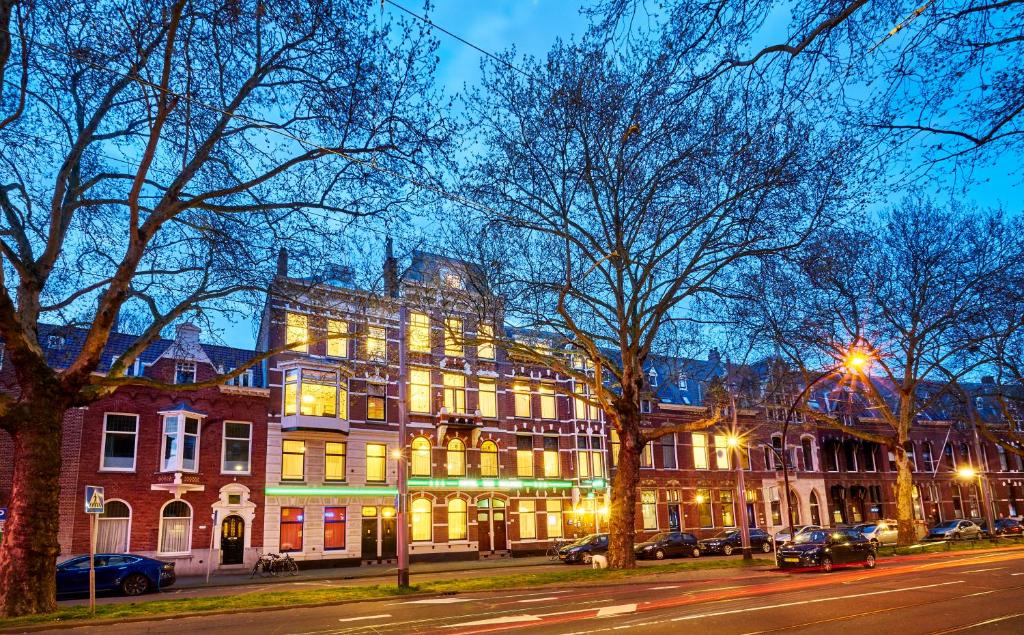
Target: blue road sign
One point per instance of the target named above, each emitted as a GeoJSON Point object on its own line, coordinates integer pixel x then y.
{"type": "Point", "coordinates": [3, 514]}
{"type": "Point", "coordinates": [93, 499]}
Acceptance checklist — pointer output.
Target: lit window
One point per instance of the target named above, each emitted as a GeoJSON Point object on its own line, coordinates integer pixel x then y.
{"type": "Point", "coordinates": [376, 462]}
{"type": "Point", "coordinates": [489, 459]}
{"type": "Point", "coordinates": [458, 527]}
{"type": "Point", "coordinates": [420, 457]}
{"type": "Point", "coordinates": [293, 460]}
{"type": "Point", "coordinates": [703, 501]}
{"type": "Point", "coordinates": [454, 392]}
{"type": "Point", "coordinates": [337, 342]}
{"type": "Point", "coordinates": [119, 442]}
{"type": "Point", "coordinates": [727, 508]}
{"type": "Point", "coordinates": [615, 447]}
{"type": "Point", "coordinates": [554, 510]}
{"type": "Point", "coordinates": [419, 333]}
{"type": "Point", "coordinates": [700, 450]}
{"type": "Point", "coordinates": [647, 456]}
{"type": "Point", "coordinates": [237, 443]}
{"type": "Point", "coordinates": [422, 520]}
{"type": "Point", "coordinates": [419, 390]}
{"type": "Point", "coordinates": [551, 457]}
{"type": "Point", "coordinates": [547, 402]}
{"type": "Point", "coordinates": [485, 349]}
{"type": "Point", "coordinates": [488, 398]}
{"type": "Point", "coordinates": [649, 508]}
{"type": "Point", "coordinates": [721, 452]}
{"type": "Point", "coordinates": [524, 455]}
{"type": "Point", "coordinates": [453, 337]}
{"type": "Point", "coordinates": [291, 529]}
{"type": "Point", "coordinates": [334, 528]}
{"type": "Point", "coordinates": [376, 344]}
{"type": "Point", "coordinates": [334, 461]}
{"type": "Point", "coordinates": [376, 400]}
{"type": "Point", "coordinates": [318, 391]}
{"type": "Point", "coordinates": [522, 398]}
{"type": "Point", "coordinates": [296, 332]}
{"type": "Point", "coordinates": [181, 443]}
{"type": "Point", "coordinates": [527, 520]}
{"type": "Point", "coordinates": [176, 528]}
{"type": "Point", "coordinates": [456, 458]}
{"type": "Point", "coordinates": [185, 373]}
{"type": "Point", "coordinates": [585, 408]}
{"type": "Point", "coordinates": [590, 457]}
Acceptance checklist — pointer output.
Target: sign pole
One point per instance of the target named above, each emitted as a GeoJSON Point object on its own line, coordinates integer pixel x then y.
{"type": "Point", "coordinates": [92, 563]}
{"type": "Point", "coordinates": [209, 556]}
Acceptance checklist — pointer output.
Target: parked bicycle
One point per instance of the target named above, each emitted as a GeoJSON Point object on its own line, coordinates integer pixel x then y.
{"type": "Point", "coordinates": [553, 548]}
{"type": "Point", "coordinates": [270, 564]}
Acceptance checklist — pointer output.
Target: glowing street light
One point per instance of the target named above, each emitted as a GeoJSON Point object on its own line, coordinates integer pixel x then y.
{"type": "Point", "coordinates": [967, 473]}
{"type": "Point", "coordinates": [856, 360]}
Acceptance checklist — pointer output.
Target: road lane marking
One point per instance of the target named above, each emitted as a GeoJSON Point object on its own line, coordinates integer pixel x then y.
{"type": "Point", "coordinates": [607, 611]}
{"type": "Point", "coordinates": [994, 620]}
{"type": "Point", "coordinates": [364, 617]}
{"type": "Point", "coordinates": [983, 570]}
{"type": "Point", "coordinates": [511, 619]}
{"type": "Point", "coordinates": [550, 597]}
{"type": "Point", "coordinates": [662, 588]}
{"type": "Point", "coordinates": [1021, 573]}
{"type": "Point", "coordinates": [971, 595]}
{"type": "Point", "coordinates": [440, 601]}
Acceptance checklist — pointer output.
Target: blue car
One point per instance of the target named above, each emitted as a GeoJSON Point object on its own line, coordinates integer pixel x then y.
{"type": "Point", "coordinates": [124, 572]}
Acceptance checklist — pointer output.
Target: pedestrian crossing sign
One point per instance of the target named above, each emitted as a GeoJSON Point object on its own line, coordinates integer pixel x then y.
{"type": "Point", "coordinates": [93, 499]}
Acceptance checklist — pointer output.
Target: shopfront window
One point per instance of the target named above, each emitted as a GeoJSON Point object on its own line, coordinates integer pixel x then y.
{"type": "Point", "coordinates": [291, 529]}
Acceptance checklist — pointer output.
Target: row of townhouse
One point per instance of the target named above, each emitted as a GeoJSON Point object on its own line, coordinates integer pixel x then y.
{"type": "Point", "coordinates": [302, 453]}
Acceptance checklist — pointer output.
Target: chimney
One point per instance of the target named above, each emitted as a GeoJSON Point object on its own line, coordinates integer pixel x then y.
{"type": "Point", "coordinates": [390, 271]}
{"type": "Point", "coordinates": [282, 262]}
{"type": "Point", "coordinates": [714, 356]}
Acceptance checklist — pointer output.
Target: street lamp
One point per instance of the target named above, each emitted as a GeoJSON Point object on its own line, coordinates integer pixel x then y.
{"type": "Point", "coordinates": [734, 442]}
{"type": "Point", "coordinates": [969, 474]}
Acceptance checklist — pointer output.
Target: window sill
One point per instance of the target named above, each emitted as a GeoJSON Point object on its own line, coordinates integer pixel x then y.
{"type": "Point", "coordinates": [116, 470]}
{"type": "Point", "coordinates": [235, 473]}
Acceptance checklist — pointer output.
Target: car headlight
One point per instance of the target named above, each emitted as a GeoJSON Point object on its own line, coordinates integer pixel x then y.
{"type": "Point", "coordinates": [648, 547]}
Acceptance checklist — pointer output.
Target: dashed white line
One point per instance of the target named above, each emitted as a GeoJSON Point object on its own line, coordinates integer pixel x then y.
{"type": "Point", "coordinates": [1021, 573]}
{"type": "Point", "coordinates": [550, 597]}
{"type": "Point", "coordinates": [983, 570]}
{"type": "Point", "coordinates": [608, 611]}
{"type": "Point", "coordinates": [364, 617]}
{"type": "Point", "coordinates": [440, 601]}
{"type": "Point", "coordinates": [511, 619]}
{"type": "Point", "coordinates": [662, 588]}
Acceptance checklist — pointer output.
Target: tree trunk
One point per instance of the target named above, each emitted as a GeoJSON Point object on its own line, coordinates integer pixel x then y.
{"type": "Point", "coordinates": [623, 504]}
{"type": "Point", "coordinates": [29, 551]}
{"type": "Point", "coordinates": [904, 498]}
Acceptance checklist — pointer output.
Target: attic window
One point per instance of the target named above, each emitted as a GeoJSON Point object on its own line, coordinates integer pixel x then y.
{"type": "Point", "coordinates": [245, 380]}
{"type": "Point", "coordinates": [653, 376]}
{"type": "Point", "coordinates": [185, 373]}
{"type": "Point", "coordinates": [451, 279]}
{"type": "Point", "coordinates": [55, 341]}
{"type": "Point", "coordinates": [682, 381]}
{"type": "Point", "coordinates": [645, 406]}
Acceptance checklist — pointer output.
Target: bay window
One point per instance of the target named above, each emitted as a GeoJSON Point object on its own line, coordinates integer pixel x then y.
{"type": "Point", "coordinates": [314, 393]}
{"type": "Point", "coordinates": [180, 442]}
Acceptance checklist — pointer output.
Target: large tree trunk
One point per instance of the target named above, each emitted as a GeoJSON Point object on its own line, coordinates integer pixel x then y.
{"type": "Point", "coordinates": [623, 507]}
{"type": "Point", "coordinates": [904, 498]}
{"type": "Point", "coordinates": [29, 551]}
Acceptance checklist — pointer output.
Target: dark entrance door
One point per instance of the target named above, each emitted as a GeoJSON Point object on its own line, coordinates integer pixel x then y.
{"type": "Point", "coordinates": [673, 517]}
{"type": "Point", "coordinates": [499, 535]}
{"type": "Point", "coordinates": [232, 540]}
{"type": "Point", "coordinates": [369, 543]}
{"type": "Point", "coordinates": [388, 537]}
{"type": "Point", "coordinates": [483, 524]}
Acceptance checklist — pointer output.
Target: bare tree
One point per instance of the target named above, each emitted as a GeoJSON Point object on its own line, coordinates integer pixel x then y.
{"type": "Point", "coordinates": [613, 198]}
{"type": "Point", "coordinates": [154, 155]}
{"type": "Point", "coordinates": [911, 295]}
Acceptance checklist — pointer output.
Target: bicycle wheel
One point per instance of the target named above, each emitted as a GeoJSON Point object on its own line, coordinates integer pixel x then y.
{"type": "Point", "coordinates": [291, 566]}
{"type": "Point", "coordinates": [255, 569]}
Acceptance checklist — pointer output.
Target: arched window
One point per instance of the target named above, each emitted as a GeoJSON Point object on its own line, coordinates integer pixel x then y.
{"type": "Point", "coordinates": [113, 528]}
{"type": "Point", "coordinates": [176, 528]}
{"type": "Point", "coordinates": [794, 511]}
{"type": "Point", "coordinates": [456, 458]}
{"type": "Point", "coordinates": [422, 520]}
{"type": "Point", "coordinates": [457, 519]}
{"type": "Point", "coordinates": [815, 512]}
{"type": "Point", "coordinates": [420, 457]}
{"type": "Point", "coordinates": [489, 459]}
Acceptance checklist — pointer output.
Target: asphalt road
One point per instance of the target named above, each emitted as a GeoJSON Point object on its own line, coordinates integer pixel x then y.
{"type": "Point", "coordinates": [980, 593]}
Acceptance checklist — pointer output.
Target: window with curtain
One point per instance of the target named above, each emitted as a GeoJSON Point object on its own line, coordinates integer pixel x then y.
{"type": "Point", "coordinates": [181, 443]}
{"type": "Point", "coordinates": [337, 338]}
{"type": "Point", "coordinates": [176, 528]}
{"type": "Point", "coordinates": [296, 332]}
{"type": "Point", "coordinates": [376, 462]}
{"type": "Point", "coordinates": [456, 459]}
{"type": "Point", "coordinates": [524, 455]}
{"type": "Point", "coordinates": [422, 520]}
{"type": "Point", "coordinates": [649, 508]}
{"type": "Point", "coordinates": [521, 391]}
{"type": "Point", "coordinates": [376, 401]}
{"type": "Point", "coordinates": [489, 459]}
{"type": "Point", "coordinates": [291, 529]}
{"type": "Point", "coordinates": [700, 450]}
{"type": "Point", "coordinates": [454, 392]}
{"type": "Point", "coordinates": [485, 349]}
{"type": "Point", "coordinates": [458, 521]}
{"type": "Point", "coordinates": [647, 455]}
{"type": "Point", "coordinates": [419, 333]}
{"type": "Point", "coordinates": [419, 390]}
{"type": "Point", "coordinates": [112, 528]}
{"type": "Point", "coordinates": [420, 457]}
{"type": "Point", "coordinates": [527, 520]}
{"type": "Point", "coordinates": [293, 460]}
{"type": "Point", "coordinates": [547, 402]}
{"type": "Point", "coordinates": [334, 528]}
{"type": "Point", "coordinates": [119, 440]}
{"type": "Point", "coordinates": [551, 467]}
{"type": "Point", "coordinates": [554, 520]}
{"type": "Point", "coordinates": [727, 508]}
{"type": "Point", "coordinates": [334, 461]}
{"type": "Point", "coordinates": [703, 500]}
{"type": "Point", "coordinates": [488, 398]}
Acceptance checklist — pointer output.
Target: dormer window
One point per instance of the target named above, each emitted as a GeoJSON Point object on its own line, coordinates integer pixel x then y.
{"type": "Point", "coordinates": [451, 279]}
{"type": "Point", "coordinates": [55, 341]}
{"type": "Point", "coordinates": [652, 376]}
{"type": "Point", "coordinates": [180, 440]}
{"type": "Point", "coordinates": [645, 406]}
{"type": "Point", "coordinates": [185, 373]}
{"type": "Point", "coordinates": [682, 381]}
{"type": "Point", "coordinates": [245, 380]}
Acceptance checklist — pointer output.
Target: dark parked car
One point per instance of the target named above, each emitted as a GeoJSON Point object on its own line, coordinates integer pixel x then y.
{"type": "Point", "coordinates": [124, 572]}
{"type": "Point", "coordinates": [827, 549]}
{"type": "Point", "coordinates": [730, 541]}
{"type": "Point", "coordinates": [957, 529]}
{"type": "Point", "coordinates": [1005, 527]}
{"type": "Point", "coordinates": [583, 549]}
{"type": "Point", "coordinates": [667, 545]}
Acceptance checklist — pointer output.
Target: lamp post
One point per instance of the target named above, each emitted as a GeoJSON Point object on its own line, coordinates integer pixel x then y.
{"type": "Point", "coordinates": [969, 474]}
{"type": "Point", "coordinates": [734, 443]}
{"type": "Point", "coordinates": [402, 520]}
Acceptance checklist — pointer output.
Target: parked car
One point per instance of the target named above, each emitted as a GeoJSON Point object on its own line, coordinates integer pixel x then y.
{"type": "Point", "coordinates": [668, 544]}
{"type": "Point", "coordinates": [730, 541]}
{"type": "Point", "coordinates": [1005, 527]}
{"type": "Point", "coordinates": [583, 549]}
{"type": "Point", "coordinates": [124, 572]}
{"type": "Point", "coordinates": [827, 549]}
{"type": "Point", "coordinates": [956, 529]}
{"type": "Point", "coordinates": [880, 532]}
{"type": "Point", "coordinates": [783, 535]}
